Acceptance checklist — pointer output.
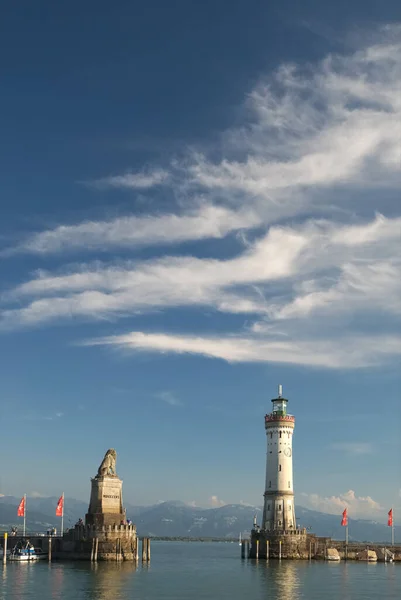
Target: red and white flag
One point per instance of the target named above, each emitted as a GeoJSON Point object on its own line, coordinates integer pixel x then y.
{"type": "Point", "coordinates": [21, 508]}
{"type": "Point", "coordinates": [344, 521]}
{"type": "Point", "coordinates": [60, 507]}
{"type": "Point", "coordinates": [390, 518]}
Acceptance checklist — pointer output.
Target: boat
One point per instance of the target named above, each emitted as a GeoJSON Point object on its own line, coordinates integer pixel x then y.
{"type": "Point", "coordinates": [332, 554]}
{"type": "Point", "coordinates": [25, 552]}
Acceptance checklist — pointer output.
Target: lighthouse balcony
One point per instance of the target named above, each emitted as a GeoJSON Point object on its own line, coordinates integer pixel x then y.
{"type": "Point", "coordinates": [279, 416]}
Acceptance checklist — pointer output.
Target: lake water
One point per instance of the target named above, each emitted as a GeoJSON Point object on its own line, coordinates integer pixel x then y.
{"type": "Point", "coordinates": [200, 571]}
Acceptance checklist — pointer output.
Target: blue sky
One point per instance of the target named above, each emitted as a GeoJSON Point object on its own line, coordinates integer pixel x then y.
{"type": "Point", "coordinates": [200, 201]}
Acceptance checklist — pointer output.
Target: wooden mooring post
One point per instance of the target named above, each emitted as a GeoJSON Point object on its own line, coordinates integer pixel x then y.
{"type": "Point", "coordinates": [243, 549]}
{"type": "Point", "coordinates": [145, 549]}
{"type": "Point", "coordinates": [50, 549]}
{"type": "Point", "coordinates": [257, 549]}
{"type": "Point", "coordinates": [5, 548]}
{"type": "Point", "coordinates": [279, 549]}
{"type": "Point", "coordinates": [267, 549]}
{"type": "Point", "coordinates": [96, 546]}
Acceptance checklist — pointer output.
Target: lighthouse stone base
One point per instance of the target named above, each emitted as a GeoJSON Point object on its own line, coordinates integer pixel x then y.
{"type": "Point", "coordinates": [291, 544]}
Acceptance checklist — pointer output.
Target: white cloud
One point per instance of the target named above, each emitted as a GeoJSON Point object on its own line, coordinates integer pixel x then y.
{"type": "Point", "coordinates": [37, 417]}
{"type": "Point", "coordinates": [357, 506]}
{"type": "Point", "coordinates": [169, 398]}
{"type": "Point", "coordinates": [135, 231]}
{"type": "Point", "coordinates": [320, 143]}
{"type": "Point", "coordinates": [215, 501]}
{"type": "Point", "coordinates": [36, 495]}
{"type": "Point", "coordinates": [364, 274]}
{"type": "Point", "coordinates": [336, 123]}
{"type": "Point", "coordinates": [313, 136]}
{"type": "Point", "coordinates": [343, 352]}
{"type": "Point", "coordinates": [356, 448]}
{"type": "Point", "coordinates": [142, 180]}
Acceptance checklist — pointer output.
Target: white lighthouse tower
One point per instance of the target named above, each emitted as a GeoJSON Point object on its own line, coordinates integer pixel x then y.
{"type": "Point", "coordinates": [279, 509]}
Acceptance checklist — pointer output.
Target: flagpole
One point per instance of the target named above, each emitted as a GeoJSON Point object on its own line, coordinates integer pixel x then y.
{"type": "Point", "coordinates": [24, 513]}
{"type": "Point", "coordinates": [62, 517]}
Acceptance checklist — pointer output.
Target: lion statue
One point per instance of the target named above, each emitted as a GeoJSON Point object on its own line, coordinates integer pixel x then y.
{"type": "Point", "coordinates": [108, 464]}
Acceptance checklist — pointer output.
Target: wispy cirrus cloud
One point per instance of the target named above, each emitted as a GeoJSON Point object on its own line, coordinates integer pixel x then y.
{"type": "Point", "coordinates": [136, 181]}
{"type": "Point", "coordinates": [37, 417]}
{"type": "Point", "coordinates": [318, 147]}
{"type": "Point", "coordinates": [355, 448]}
{"type": "Point", "coordinates": [344, 352]}
{"type": "Point", "coordinates": [168, 397]}
{"type": "Point", "coordinates": [207, 221]}
{"type": "Point", "coordinates": [314, 138]}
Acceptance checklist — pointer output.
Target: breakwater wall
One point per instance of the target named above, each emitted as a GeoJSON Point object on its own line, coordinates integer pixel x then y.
{"type": "Point", "coordinates": [300, 545]}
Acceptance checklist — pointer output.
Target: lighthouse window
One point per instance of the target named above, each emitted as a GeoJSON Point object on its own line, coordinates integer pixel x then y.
{"type": "Point", "coordinates": [280, 434]}
{"type": "Point", "coordinates": [289, 484]}
{"type": "Point", "coordinates": [279, 507]}
{"type": "Point", "coordinates": [268, 507]}
{"type": "Point", "coordinates": [279, 522]}
{"type": "Point", "coordinates": [271, 435]}
{"type": "Point", "coordinates": [270, 484]}
{"type": "Point", "coordinates": [279, 467]}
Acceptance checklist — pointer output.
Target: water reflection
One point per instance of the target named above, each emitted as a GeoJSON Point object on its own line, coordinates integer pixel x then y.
{"type": "Point", "coordinates": [56, 576]}
{"type": "Point", "coordinates": [280, 579]}
{"type": "Point", "coordinates": [110, 581]}
{"type": "Point", "coordinates": [19, 573]}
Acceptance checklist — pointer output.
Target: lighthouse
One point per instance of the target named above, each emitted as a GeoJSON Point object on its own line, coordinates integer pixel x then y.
{"type": "Point", "coordinates": [279, 508]}
{"type": "Point", "coordinates": [278, 535]}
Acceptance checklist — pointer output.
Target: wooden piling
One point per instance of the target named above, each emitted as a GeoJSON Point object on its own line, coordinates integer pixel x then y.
{"type": "Point", "coordinates": [310, 550]}
{"type": "Point", "coordinates": [144, 546]}
{"type": "Point", "coordinates": [267, 549]}
{"type": "Point", "coordinates": [257, 549]}
{"type": "Point", "coordinates": [93, 549]}
{"type": "Point", "coordinates": [279, 549]}
{"type": "Point", "coordinates": [96, 546]}
{"type": "Point", "coordinates": [5, 548]}
{"type": "Point", "coordinates": [137, 549]}
{"type": "Point", "coordinates": [50, 549]}
{"type": "Point", "coordinates": [243, 549]}
{"type": "Point", "coordinates": [148, 550]}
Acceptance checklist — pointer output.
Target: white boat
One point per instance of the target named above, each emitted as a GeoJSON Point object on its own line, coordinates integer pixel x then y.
{"type": "Point", "coordinates": [24, 553]}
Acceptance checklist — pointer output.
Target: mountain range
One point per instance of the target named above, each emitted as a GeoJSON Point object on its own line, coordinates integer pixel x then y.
{"type": "Point", "coordinates": [177, 519]}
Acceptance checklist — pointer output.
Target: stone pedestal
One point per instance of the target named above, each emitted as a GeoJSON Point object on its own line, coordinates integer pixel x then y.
{"type": "Point", "coordinates": [106, 503]}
